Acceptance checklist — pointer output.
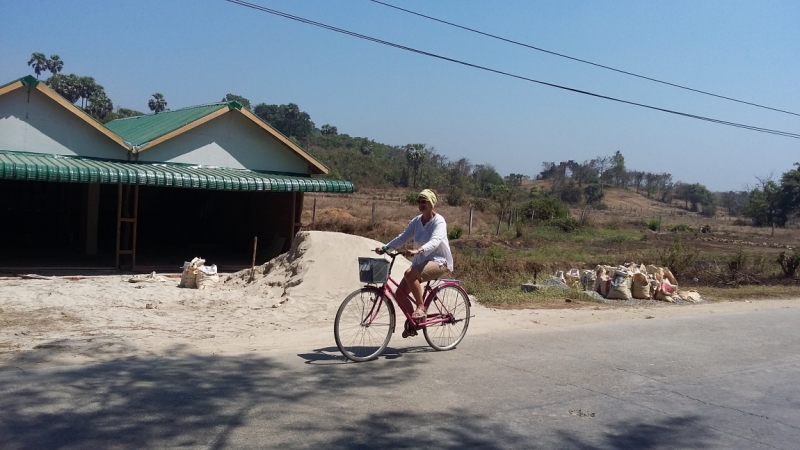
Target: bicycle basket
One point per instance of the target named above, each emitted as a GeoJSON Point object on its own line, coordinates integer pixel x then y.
{"type": "Point", "coordinates": [373, 270]}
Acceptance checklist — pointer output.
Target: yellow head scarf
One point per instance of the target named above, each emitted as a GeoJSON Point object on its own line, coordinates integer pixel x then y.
{"type": "Point", "coordinates": [428, 195]}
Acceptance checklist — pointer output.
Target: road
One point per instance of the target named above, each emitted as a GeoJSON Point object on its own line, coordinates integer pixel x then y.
{"type": "Point", "coordinates": [718, 381]}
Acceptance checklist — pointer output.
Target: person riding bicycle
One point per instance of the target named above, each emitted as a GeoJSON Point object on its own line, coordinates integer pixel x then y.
{"type": "Point", "coordinates": [431, 252]}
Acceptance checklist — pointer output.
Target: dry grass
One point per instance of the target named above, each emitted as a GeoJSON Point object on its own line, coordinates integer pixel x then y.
{"type": "Point", "coordinates": [493, 266]}
{"type": "Point", "coordinates": [751, 292]}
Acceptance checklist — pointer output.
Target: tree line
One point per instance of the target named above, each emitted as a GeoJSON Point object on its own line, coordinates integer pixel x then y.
{"type": "Point", "coordinates": [90, 96]}
{"type": "Point", "coordinates": [372, 164]}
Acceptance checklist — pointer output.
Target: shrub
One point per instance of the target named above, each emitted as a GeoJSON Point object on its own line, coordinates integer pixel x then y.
{"type": "Point", "coordinates": [677, 258]}
{"type": "Point", "coordinates": [411, 198]}
{"type": "Point", "coordinates": [545, 208]}
{"type": "Point", "coordinates": [455, 233]}
{"type": "Point", "coordinates": [680, 228]}
{"type": "Point", "coordinates": [651, 224]}
{"type": "Point", "coordinates": [480, 204]}
{"type": "Point", "coordinates": [455, 197]}
{"type": "Point", "coordinates": [565, 224]}
{"type": "Point", "coordinates": [789, 263]}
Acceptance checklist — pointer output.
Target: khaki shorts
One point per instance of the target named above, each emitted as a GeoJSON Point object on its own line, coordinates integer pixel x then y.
{"type": "Point", "coordinates": [431, 270]}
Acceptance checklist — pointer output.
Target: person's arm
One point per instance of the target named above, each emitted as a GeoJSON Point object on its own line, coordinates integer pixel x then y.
{"type": "Point", "coordinates": [403, 237]}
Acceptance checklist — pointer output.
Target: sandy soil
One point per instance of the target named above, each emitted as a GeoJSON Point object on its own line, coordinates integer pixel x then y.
{"type": "Point", "coordinates": [290, 305]}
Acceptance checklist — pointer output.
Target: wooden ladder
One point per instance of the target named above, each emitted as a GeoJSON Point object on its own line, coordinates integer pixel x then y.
{"type": "Point", "coordinates": [126, 214]}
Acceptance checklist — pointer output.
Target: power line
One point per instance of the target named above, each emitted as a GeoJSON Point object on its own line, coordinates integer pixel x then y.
{"type": "Point", "coordinates": [582, 60]}
{"type": "Point", "coordinates": [520, 77]}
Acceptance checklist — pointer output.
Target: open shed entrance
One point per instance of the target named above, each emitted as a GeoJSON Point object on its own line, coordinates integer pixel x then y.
{"type": "Point", "coordinates": [82, 225]}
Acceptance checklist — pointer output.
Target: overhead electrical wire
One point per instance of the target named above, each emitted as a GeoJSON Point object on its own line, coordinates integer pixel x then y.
{"type": "Point", "coordinates": [511, 41]}
{"type": "Point", "coordinates": [500, 72]}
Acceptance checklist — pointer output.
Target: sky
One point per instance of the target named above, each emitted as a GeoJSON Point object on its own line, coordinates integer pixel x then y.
{"type": "Point", "coordinates": [197, 51]}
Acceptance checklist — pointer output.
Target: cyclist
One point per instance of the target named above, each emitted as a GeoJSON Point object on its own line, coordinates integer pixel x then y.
{"type": "Point", "coordinates": [431, 252]}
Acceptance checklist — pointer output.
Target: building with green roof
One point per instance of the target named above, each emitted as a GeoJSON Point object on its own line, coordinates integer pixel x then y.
{"type": "Point", "coordinates": [146, 191]}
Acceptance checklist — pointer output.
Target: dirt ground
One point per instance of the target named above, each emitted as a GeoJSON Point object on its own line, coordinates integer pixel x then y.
{"type": "Point", "coordinates": [45, 323]}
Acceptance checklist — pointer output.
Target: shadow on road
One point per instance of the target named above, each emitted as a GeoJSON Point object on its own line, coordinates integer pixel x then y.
{"type": "Point", "coordinates": [332, 355]}
{"type": "Point", "coordinates": [255, 402]}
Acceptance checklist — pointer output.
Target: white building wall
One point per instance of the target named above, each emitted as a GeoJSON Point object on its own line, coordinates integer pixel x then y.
{"type": "Point", "coordinates": [38, 124]}
{"type": "Point", "coordinates": [231, 140]}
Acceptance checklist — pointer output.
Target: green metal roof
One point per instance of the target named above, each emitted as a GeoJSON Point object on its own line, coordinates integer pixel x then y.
{"type": "Point", "coordinates": [66, 169]}
{"type": "Point", "coordinates": [140, 130]}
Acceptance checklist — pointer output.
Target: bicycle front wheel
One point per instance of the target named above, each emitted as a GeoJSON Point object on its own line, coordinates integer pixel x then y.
{"type": "Point", "coordinates": [451, 305]}
{"type": "Point", "coordinates": [364, 324]}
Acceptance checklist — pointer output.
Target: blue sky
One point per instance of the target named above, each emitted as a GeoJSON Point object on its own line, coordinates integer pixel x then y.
{"type": "Point", "coordinates": [197, 51]}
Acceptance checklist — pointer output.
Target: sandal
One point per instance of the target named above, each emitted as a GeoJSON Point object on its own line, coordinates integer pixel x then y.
{"type": "Point", "coordinates": [418, 314]}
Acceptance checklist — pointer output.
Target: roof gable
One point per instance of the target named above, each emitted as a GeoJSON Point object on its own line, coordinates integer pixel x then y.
{"type": "Point", "coordinates": [33, 83]}
{"type": "Point", "coordinates": [147, 131]}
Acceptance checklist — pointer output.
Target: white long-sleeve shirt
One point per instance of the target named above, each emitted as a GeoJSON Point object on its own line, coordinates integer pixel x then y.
{"type": "Point", "coordinates": [431, 238]}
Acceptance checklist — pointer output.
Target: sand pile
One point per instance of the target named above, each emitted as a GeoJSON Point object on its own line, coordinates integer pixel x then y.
{"type": "Point", "coordinates": [317, 273]}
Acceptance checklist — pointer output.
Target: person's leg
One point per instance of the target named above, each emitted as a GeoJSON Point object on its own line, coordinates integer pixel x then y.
{"type": "Point", "coordinates": [412, 280]}
{"type": "Point", "coordinates": [404, 298]}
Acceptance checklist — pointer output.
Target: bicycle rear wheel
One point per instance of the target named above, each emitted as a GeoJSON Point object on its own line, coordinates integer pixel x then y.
{"type": "Point", "coordinates": [364, 324]}
{"type": "Point", "coordinates": [452, 304]}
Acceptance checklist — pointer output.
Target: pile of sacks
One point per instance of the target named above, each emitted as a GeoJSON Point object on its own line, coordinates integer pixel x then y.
{"type": "Point", "coordinates": [631, 281]}
{"type": "Point", "coordinates": [196, 275]}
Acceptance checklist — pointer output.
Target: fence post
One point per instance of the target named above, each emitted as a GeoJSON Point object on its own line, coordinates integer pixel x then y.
{"type": "Point", "coordinates": [314, 211]}
{"type": "Point", "coordinates": [499, 221]}
{"type": "Point", "coordinates": [373, 211]}
{"type": "Point", "coordinates": [469, 229]}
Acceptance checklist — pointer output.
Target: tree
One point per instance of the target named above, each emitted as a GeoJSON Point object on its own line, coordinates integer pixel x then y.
{"type": "Point", "coordinates": [125, 112]}
{"type": "Point", "coordinates": [55, 64]}
{"type": "Point", "coordinates": [288, 119]}
{"type": "Point", "coordinates": [99, 106]}
{"type": "Point", "coordinates": [88, 88]}
{"type": "Point", "coordinates": [790, 189]}
{"type": "Point", "coordinates": [617, 173]}
{"type": "Point", "coordinates": [158, 103]}
{"type": "Point", "coordinates": [237, 98]}
{"type": "Point", "coordinates": [594, 194]}
{"type": "Point", "coordinates": [764, 205]}
{"type": "Point", "coordinates": [39, 63]}
{"type": "Point", "coordinates": [68, 86]}
{"type": "Point", "coordinates": [329, 130]}
{"type": "Point", "coordinates": [415, 157]}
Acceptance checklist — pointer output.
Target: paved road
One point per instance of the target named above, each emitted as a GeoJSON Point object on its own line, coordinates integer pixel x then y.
{"type": "Point", "coordinates": [714, 381]}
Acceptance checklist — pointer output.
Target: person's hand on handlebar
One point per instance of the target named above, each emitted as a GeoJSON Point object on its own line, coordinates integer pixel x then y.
{"type": "Point", "coordinates": [379, 251]}
{"type": "Point", "coordinates": [411, 253]}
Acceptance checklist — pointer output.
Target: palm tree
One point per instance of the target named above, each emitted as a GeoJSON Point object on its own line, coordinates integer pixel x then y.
{"type": "Point", "coordinates": [68, 86]}
{"type": "Point", "coordinates": [88, 88]}
{"type": "Point", "coordinates": [55, 64]}
{"type": "Point", "coordinates": [157, 103]}
{"type": "Point", "coordinates": [39, 63]}
{"type": "Point", "coordinates": [99, 105]}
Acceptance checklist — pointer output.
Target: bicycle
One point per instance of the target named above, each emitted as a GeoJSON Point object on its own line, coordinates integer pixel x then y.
{"type": "Point", "coordinates": [365, 320]}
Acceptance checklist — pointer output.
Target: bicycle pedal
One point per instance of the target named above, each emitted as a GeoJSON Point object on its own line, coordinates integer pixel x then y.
{"type": "Point", "coordinates": [407, 334]}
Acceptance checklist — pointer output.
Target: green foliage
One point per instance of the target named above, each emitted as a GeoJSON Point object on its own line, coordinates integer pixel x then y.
{"type": "Point", "coordinates": [456, 197]}
{"type": "Point", "coordinates": [680, 228]}
{"type": "Point", "coordinates": [571, 193]}
{"type": "Point", "coordinates": [411, 197]}
{"type": "Point", "coordinates": [565, 224]}
{"type": "Point", "coordinates": [545, 207]}
{"type": "Point", "coordinates": [158, 103]}
{"type": "Point", "coordinates": [237, 98]}
{"type": "Point", "coordinates": [594, 194]}
{"type": "Point", "coordinates": [766, 205]}
{"type": "Point", "coordinates": [125, 112]}
{"type": "Point", "coordinates": [288, 119]}
{"type": "Point", "coordinates": [38, 63]}
{"type": "Point", "coordinates": [789, 263]}
{"type": "Point", "coordinates": [455, 233]}
{"type": "Point", "coordinates": [652, 224]}
{"type": "Point", "coordinates": [676, 257]}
